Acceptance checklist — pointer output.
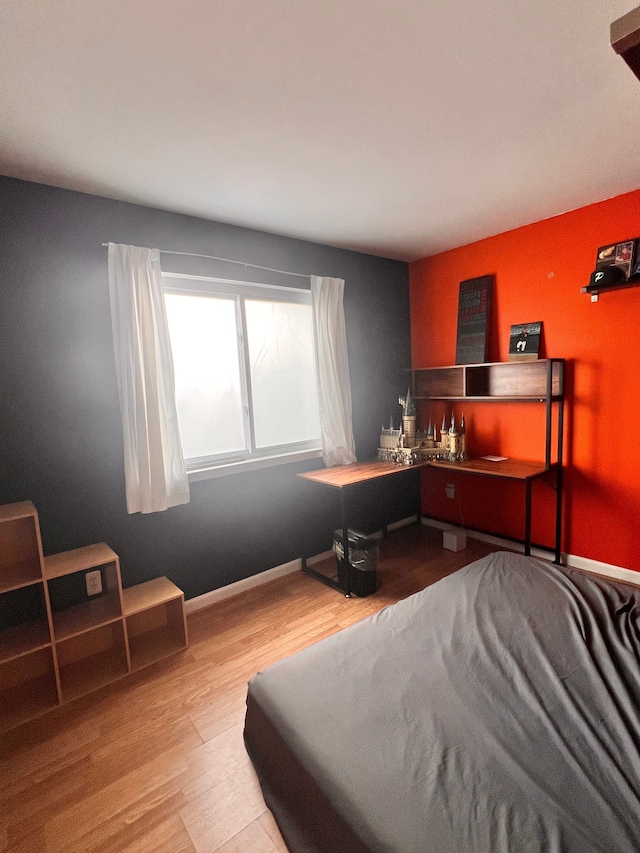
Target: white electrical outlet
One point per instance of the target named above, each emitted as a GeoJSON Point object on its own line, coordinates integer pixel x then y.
{"type": "Point", "coordinates": [94, 582]}
{"type": "Point", "coordinates": [450, 491]}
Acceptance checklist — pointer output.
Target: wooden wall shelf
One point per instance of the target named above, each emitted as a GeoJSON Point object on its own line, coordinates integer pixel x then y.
{"type": "Point", "coordinates": [47, 657]}
{"type": "Point", "coordinates": [518, 381]}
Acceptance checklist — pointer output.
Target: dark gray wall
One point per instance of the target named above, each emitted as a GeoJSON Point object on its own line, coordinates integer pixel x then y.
{"type": "Point", "coordinates": [60, 434]}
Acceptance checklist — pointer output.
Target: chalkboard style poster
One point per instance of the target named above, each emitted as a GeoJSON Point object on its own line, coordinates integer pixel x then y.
{"type": "Point", "coordinates": [474, 308]}
{"type": "Point", "coordinates": [524, 342]}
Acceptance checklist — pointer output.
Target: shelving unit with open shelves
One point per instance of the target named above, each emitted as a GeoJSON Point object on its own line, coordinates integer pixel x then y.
{"type": "Point", "coordinates": [540, 381]}
{"type": "Point", "coordinates": [50, 653]}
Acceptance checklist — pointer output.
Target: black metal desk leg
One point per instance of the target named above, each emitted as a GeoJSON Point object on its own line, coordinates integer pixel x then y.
{"type": "Point", "coordinates": [558, 559]}
{"type": "Point", "coordinates": [527, 517]}
{"type": "Point", "coordinates": [335, 584]}
{"type": "Point", "coordinates": [345, 543]}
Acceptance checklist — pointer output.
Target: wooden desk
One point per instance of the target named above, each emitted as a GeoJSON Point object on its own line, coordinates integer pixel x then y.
{"type": "Point", "coordinates": [540, 381]}
{"type": "Point", "coordinates": [525, 472]}
{"type": "Point", "coordinates": [342, 477]}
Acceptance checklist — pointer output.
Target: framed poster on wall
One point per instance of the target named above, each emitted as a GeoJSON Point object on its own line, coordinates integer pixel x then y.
{"type": "Point", "coordinates": [474, 309]}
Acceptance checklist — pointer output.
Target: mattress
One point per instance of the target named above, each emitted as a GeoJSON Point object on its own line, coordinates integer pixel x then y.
{"type": "Point", "coordinates": [496, 710]}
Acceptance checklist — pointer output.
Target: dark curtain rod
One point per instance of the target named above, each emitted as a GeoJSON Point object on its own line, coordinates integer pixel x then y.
{"type": "Point", "coordinates": [230, 261]}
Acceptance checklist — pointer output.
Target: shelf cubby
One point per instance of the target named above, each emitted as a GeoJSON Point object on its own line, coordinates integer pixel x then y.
{"type": "Point", "coordinates": [505, 380]}
{"type": "Point", "coordinates": [156, 624]}
{"type": "Point", "coordinates": [79, 560]}
{"type": "Point", "coordinates": [524, 380]}
{"type": "Point", "coordinates": [84, 617]}
{"type": "Point", "coordinates": [91, 660]}
{"type": "Point", "coordinates": [23, 621]}
{"type": "Point", "coordinates": [20, 546]}
{"type": "Point", "coordinates": [90, 612]}
{"type": "Point", "coordinates": [27, 687]}
{"type": "Point", "coordinates": [439, 383]}
{"type": "Point", "coordinates": [22, 639]}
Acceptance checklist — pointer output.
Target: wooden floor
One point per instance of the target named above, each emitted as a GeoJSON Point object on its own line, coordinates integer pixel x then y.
{"type": "Point", "coordinates": [156, 762]}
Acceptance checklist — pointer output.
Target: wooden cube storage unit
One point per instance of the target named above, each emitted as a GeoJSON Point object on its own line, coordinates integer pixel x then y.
{"type": "Point", "coordinates": [51, 653]}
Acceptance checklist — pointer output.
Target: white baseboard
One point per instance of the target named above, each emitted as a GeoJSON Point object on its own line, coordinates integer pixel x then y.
{"type": "Point", "coordinates": [396, 525]}
{"type": "Point", "coordinates": [571, 560]}
{"type": "Point", "coordinates": [614, 572]}
{"type": "Point", "coordinates": [216, 595]}
{"type": "Point", "coordinates": [318, 558]}
{"type": "Point", "coordinates": [582, 563]}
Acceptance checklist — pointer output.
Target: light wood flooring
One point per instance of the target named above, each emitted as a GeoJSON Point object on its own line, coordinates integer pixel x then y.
{"type": "Point", "coordinates": [156, 762]}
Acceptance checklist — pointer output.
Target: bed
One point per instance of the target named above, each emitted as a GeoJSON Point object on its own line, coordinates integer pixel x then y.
{"type": "Point", "coordinates": [496, 710]}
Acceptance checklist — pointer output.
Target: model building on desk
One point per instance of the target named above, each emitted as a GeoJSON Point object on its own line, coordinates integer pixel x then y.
{"type": "Point", "coordinates": [406, 446]}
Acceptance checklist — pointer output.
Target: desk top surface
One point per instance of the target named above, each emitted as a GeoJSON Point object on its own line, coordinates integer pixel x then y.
{"type": "Point", "coordinates": [507, 469]}
{"type": "Point", "coordinates": [358, 472]}
{"type": "Point", "coordinates": [348, 475]}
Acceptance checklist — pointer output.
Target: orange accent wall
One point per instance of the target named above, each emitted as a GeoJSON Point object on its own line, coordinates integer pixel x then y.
{"type": "Point", "coordinates": [539, 270]}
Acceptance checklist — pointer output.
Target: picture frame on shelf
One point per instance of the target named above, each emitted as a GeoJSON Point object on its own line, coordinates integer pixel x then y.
{"type": "Point", "coordinates": [524, 341]}
{"type": "Point", "coordinates": [623, 255]}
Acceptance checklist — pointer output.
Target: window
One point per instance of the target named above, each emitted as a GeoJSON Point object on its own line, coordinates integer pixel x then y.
{"type": "Point", "coordinates": [244, 371]}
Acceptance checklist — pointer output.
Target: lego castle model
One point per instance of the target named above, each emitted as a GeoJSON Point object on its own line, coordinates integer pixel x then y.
{"type": "Point", "coordinates": [406, 446]}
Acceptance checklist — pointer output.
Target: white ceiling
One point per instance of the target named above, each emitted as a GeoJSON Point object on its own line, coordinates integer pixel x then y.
{"type": "Point", "coordinates": [397, 127]}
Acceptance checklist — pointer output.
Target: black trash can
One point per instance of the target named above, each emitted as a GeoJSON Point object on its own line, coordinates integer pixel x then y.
{"type": "Point", "coordinates": [363, 562]}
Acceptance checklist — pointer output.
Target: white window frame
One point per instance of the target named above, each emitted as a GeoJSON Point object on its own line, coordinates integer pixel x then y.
{"type": "Point", "coordinates": [252, 459]}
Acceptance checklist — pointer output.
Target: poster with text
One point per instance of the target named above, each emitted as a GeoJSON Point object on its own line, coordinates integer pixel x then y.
{"type": "Point", "coordinates": [474, 309]}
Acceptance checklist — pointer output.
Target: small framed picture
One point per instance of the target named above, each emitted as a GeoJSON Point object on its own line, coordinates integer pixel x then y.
{"type": "Point", "coordinates": [605, 256]}
{"type": "Point", "coordinates": [619, 255]}
{"type": "Point", "coordinates": [635, 267]}
{"type": "Point", "coordinates": [624, 256]}
{"type": "Point", "coordinates": [524, 341]}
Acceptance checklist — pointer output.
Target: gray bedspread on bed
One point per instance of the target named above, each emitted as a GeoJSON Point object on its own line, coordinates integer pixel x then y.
{"type": "Point", "coordinates": [497, 710]}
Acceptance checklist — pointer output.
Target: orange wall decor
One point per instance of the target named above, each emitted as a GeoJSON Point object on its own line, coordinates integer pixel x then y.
{"type": "Point", "coordinates": [539, 270]}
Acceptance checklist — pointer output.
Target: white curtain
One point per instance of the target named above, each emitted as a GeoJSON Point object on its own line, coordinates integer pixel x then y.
{"type": "Point", "coordinates": [334, 385]}
{"type": "Point", "coordinates": [155, 473]}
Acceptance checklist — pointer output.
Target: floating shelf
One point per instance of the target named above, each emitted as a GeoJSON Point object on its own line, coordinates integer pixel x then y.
{"type": "Point", "coordinates": [595, 291]}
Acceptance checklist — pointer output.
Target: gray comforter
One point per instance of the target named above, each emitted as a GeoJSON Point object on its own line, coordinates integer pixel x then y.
{"type": "Point", "coordinates": [497, 710]}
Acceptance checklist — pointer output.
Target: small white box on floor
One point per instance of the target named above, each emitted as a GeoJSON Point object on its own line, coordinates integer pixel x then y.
{"type": "Point", "coordinates": [454, 540]}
